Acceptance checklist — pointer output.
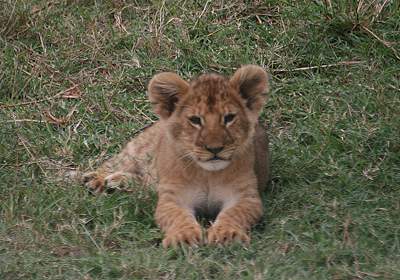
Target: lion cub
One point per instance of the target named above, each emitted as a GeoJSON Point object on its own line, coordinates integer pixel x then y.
{"type": "Point", "coordinates": [206, 154]}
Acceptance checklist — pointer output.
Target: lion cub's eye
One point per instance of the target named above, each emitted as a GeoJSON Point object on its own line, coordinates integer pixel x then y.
{"type": "Point", "coordinates": [195, 120]}
{"type": "Point", "coordinates": [229, 118]}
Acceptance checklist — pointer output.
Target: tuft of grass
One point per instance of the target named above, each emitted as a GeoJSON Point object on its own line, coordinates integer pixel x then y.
{"type": "Point", "coordinates": [73, 77]}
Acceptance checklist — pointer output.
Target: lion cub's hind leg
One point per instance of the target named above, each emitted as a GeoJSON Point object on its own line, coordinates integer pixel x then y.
{"type": "Point", "coordinates": [98, 182]}
{"type": "Point", "coordinates": [133, 164]}
{"type": "Point", "coordinates": [116, 173]}
{"type": "Point", "coordinates": [94, 181]}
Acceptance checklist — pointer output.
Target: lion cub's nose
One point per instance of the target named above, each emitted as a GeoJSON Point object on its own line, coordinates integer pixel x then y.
{"type": "Point", "coordinates": [214, 150]}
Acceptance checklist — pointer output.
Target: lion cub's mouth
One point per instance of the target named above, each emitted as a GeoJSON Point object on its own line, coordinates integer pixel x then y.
{"type": "Point", "coordinates": [214, 164]}
{"type": "Point", "coordinates": [216, 158]}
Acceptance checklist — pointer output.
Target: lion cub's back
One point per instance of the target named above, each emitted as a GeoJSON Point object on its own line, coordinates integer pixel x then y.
{"type": "Point", "coordinates": [262, 157]}
{"type": "Point", "coordinates": [143, 149]}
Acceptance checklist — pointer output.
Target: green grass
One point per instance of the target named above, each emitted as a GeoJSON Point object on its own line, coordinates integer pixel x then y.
{"type": "Point", "coordinates": [333, 207]}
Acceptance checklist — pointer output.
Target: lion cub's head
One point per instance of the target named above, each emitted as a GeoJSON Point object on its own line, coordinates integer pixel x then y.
{"type": "Point", "coordinates": [212, 118]}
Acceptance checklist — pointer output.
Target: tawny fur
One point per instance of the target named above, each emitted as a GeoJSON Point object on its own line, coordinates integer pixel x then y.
{"type": "Point", "coordinates": [206, 154]}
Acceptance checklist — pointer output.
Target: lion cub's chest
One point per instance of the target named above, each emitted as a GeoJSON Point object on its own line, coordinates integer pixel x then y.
{"type": "Point", "coordinates": [208, 200]}
{"type": "Point", "coordinates": [206, 205]}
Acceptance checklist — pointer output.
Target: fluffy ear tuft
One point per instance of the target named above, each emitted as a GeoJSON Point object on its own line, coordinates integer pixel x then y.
{"type": "Point", "coordinates": [165, 89]}
{"type": "Point", "coordinates": [253, 85]}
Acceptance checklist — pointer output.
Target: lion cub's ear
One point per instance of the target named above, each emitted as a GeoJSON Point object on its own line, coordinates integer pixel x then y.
{"type": "Point", "coordinates": [253, 85]}
{"type": "Point", "coordinates": [165, 89]}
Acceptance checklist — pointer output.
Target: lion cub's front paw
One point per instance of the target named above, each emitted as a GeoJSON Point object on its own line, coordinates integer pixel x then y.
{"type": "Point", "coordinates": [191, 236]}
{"type": "Point", "coordinates": [225, 234]}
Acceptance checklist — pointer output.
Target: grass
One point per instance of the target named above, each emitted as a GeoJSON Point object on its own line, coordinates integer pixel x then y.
{"type": "Point", "coordinates": [73, 78]}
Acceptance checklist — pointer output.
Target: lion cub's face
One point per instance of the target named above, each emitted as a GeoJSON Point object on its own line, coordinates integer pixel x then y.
{"type": "Point", "coordinates": [211, 118]}
{"type": "Point", "coordinates": [210, 122]}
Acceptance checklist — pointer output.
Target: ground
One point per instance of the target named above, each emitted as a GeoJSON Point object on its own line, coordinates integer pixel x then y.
{"type": "Point", "coordinates": [73, 78]}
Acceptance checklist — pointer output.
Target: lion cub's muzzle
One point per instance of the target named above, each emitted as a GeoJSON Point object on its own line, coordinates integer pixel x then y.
{"type": "Point", "coordinates": [218, 160]}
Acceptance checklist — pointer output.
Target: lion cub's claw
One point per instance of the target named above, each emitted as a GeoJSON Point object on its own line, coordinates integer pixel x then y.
{"type": "Point", "coordinates": [191, 237]}
{"type": "Point", "coordinates": [226, 234]}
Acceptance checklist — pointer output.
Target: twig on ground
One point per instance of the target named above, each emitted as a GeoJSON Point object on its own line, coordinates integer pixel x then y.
{"type": "Point", "coordinates": [22, 120]}
{"type": "Point", "coordinates": [47, 162]}
{"type": "Point", "coordinates": [58, 95]}
{"type": "Point", "coordinates": [345, 63]}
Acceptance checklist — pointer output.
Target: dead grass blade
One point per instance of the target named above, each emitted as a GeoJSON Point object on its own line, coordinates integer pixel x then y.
{"type": "Point", "coordinates": [385, 43]}
{"type": "Point", "coordinates": [59, 121]}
